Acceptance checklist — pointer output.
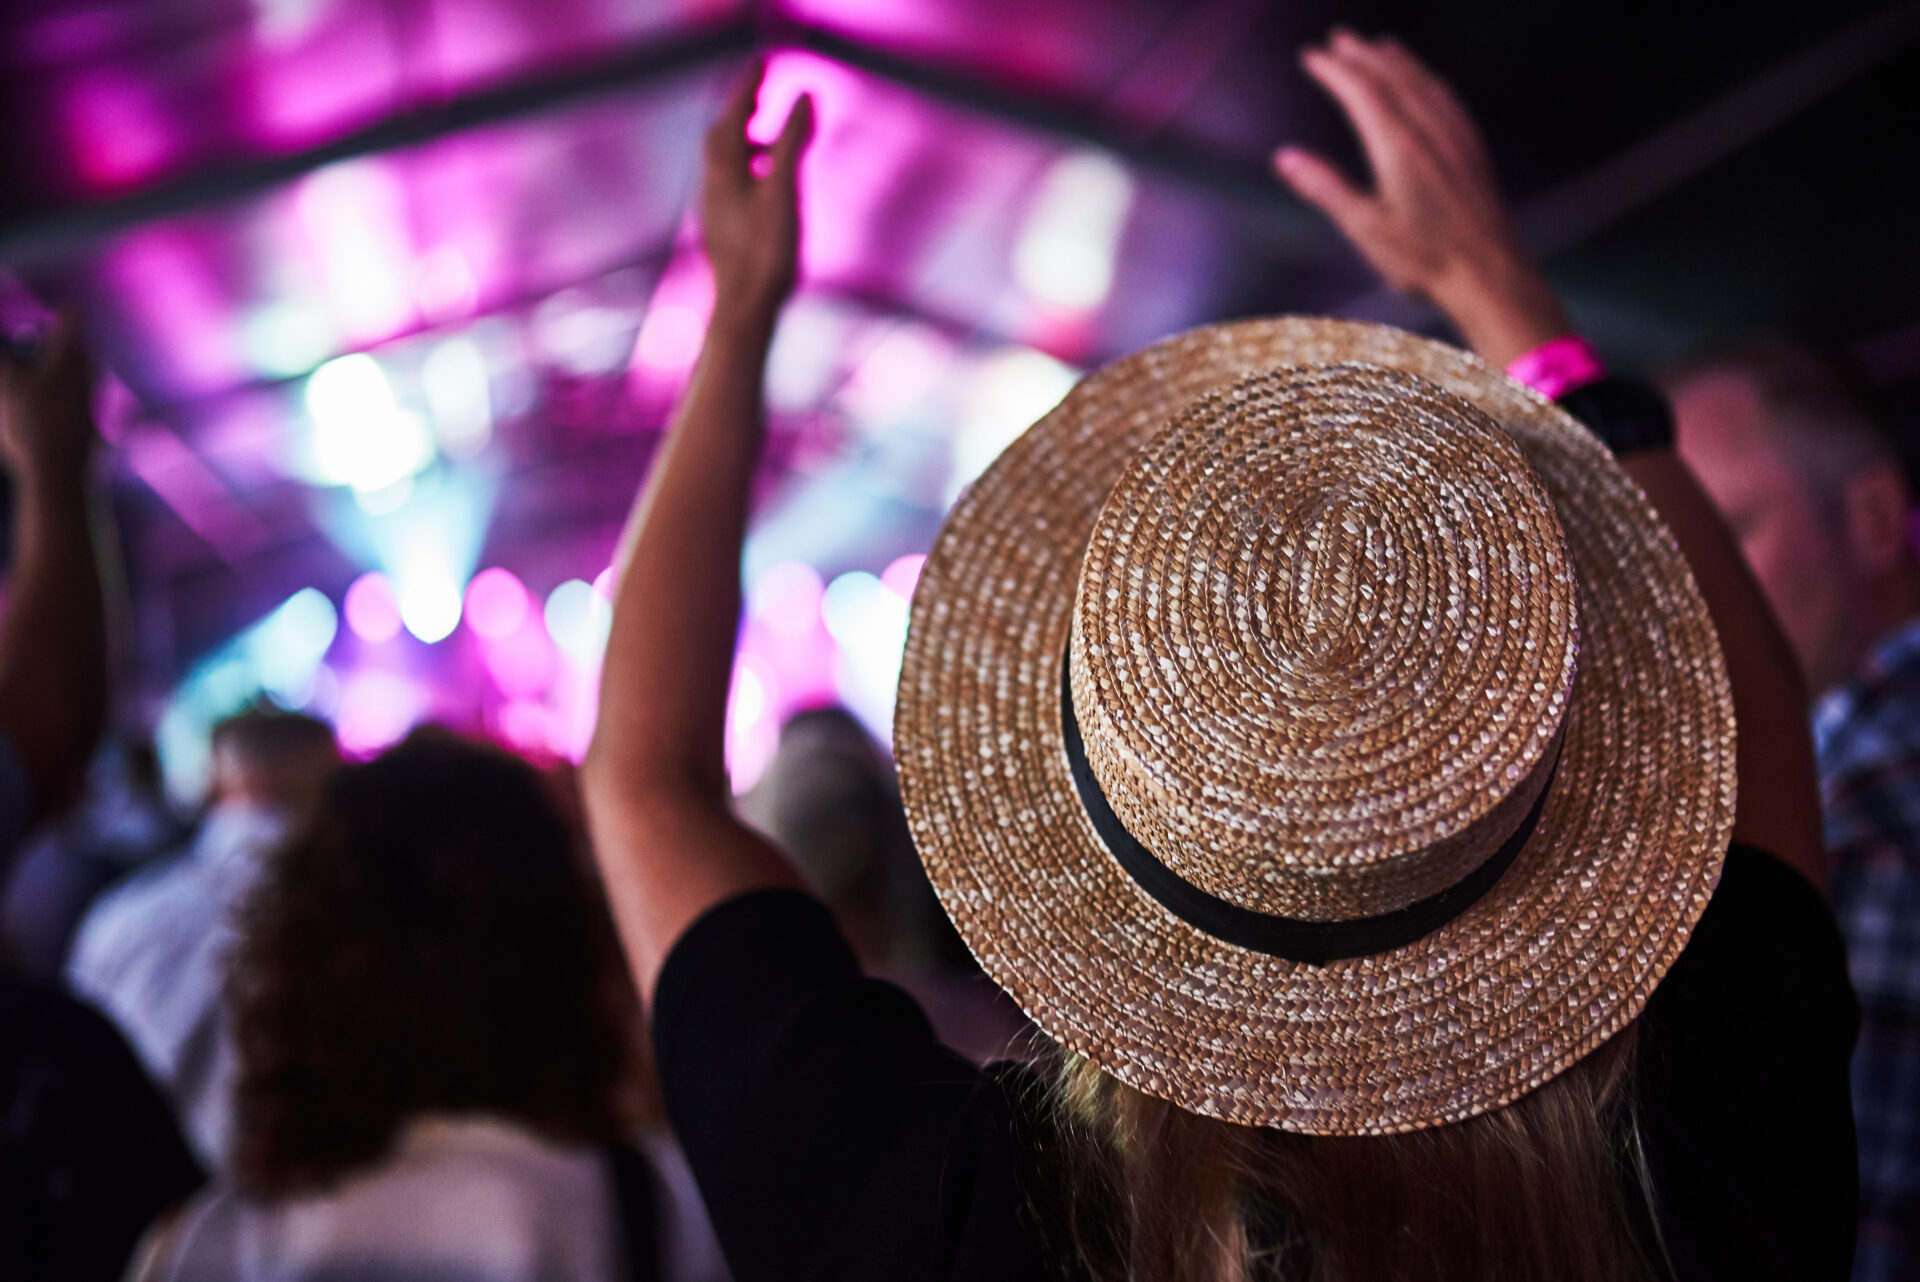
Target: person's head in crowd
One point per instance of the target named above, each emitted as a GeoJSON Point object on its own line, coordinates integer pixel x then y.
{"type": "Point", "coordinates": [1793, 449]}
{"type": "Point", "coordinates": [828, 798]}
{"type": "Point", "coordinates": [270, 758]}
{"type": "Point", "coordinates": [429, 941]}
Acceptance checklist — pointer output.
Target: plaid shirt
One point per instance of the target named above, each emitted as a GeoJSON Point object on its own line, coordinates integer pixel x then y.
{"type": "Point", "coordinates": [1867, 733]}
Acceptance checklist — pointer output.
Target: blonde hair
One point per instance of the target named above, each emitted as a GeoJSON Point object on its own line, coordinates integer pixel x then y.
{"type": "Point", "coordinates": [1539, 1190]}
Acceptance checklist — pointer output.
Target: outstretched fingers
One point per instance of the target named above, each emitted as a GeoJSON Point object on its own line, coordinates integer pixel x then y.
{"type": "Point", "coordinates": [786, 150]}
{"type": "Point", "coordinates": [729, 154]}
{"type": "Point", "coordinates": [1325, 188]}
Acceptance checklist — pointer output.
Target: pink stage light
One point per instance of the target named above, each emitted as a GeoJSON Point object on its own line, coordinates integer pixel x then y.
{"type": "Point", "coordinates": [323, 81]}
{"type": "Point", "coordinates": [786, 597]}
{"type": "Point", "coordinates": [168, 276]}
{"type": "Point", "coordinates": [676, 321]}
{"type": "Point", "coordinates": [376, 709]}
{"type": "Point", "coordinates": [861, 147]}
{"type": "Point", "coordinates": [752, 732]}
{"type": "Point", "coordinates": [497, 604]}
{"type": "Point", "coordinates": [528, 726]}
{"type": "Point", "coordinates": [373, 609]}
{"type": "Point", "coordinates": [901, 577]}
{"type": "Point", "coordinates": [115, 132]}
{"type": "Point", "coordinates": [522, 664]}
{"type": "Point", "coordinates": [669, 341]}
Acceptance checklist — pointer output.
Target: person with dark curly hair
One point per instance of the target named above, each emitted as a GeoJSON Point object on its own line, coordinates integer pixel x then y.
{"type": "Point", "coordinates": [427, 1006]}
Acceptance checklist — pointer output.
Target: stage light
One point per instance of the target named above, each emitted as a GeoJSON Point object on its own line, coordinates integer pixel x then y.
{"type": "Point", "coordinates": [372, 611]}
{"type": "Point", "coordinates": [528, 725]}
{"type": "Point", "coordinates": [1065, 255]}
{"type": "Point", "coordinates": [752, 736]}
{"type": "Point", "coordinates": [901, 576]}
{"type": "Point", "coordinates": [786, 597]}
{"type": "Point", "coordinates": [1013, 387]}
{"type": "Point", "coordinates": [894, 375]}
{"type": "Point", "coordinates": [115, 130]}
{"type": "Point", "coordinates": [444, 286]}
{"type": "Point", "coordinates": [577, 619]}
{"type": "Point", "coordinates": [430, 607]}
{"type": "Point", "coordinates": [360, 436]}
{"type": "Point", "coordinates": [748, 701]}
{"type": "Point", "coordinates": [571, 330]}
{"type": "Point", "coordinates": [355, 216]}
{"type": "Point", "coordinates": [675, 323]}
{"type": "Point", "coordinates": [521, 663]}
{"type": "Point", "coordinates": [286, 647]}
{"type": "Point", "coordinates": [283, 339]}
{"type": "Point", "coordinates": [869, 623]}
{"type": "Point", "coordinates": [376, 709]}
{"type": "Point", "coordinates": [459, 396]}
{"type": "Point", "coordinates": [386, 499]}
{"type": "Point", "coordinates": [670, 338]}
{"type": "Point", "coordinates": [847, 604]}
{"type": "Point", "coordinates": [497, 604]}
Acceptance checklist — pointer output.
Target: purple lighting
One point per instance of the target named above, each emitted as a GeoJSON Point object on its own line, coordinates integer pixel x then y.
{"type": "Point", "coordinates": [373, 611]}
{"type": "Point", "coordinates": [786, 597]}
{"type": "Point", "coordinates": [115, 131]}
{"type": "Point", "coordinates": [376, 708]}
{"type": "Point", "coordinates": [497, 604]}
{"type": "Point", "coordinates": [676, 320]}
{"type": "Point", "coordinates": [522, 662]}
{"type": "Point", "coordinates": [903, 575]}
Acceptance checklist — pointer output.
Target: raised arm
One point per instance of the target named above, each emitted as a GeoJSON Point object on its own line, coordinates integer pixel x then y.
{"type": "Point", "coordinates": [53, 642]}
{"type": "Point", "coordinates": [1434, 226]}
{"type": "Point", "coordinates": [655, 780]}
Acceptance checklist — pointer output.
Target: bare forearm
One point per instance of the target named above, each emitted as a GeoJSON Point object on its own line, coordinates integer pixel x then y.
{"type": "Point", "coordinates": [53, 644]}
{"type": "Point", "coordinates": [657, 787]}
{"type": "Point", "coordinates": [655, 780]}
{"type": "Point", "coordinates": [1779, 808]}
{"type": "Point", "coordinates": [670, 655]}
{"type": "Point", "coordinates": [1503, 307]}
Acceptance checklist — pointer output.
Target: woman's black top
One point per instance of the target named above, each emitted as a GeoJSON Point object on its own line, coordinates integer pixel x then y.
{"type": "Point", "coordinates": [834, 1138]}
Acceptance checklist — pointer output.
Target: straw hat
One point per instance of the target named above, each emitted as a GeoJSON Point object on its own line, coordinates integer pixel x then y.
{"type": "Point", "coordinates": [1316, 729]}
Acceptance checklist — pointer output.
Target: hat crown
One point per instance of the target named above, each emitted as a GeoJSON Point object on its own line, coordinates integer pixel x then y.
{"type": "Point", "coordinates": [1324, 641]}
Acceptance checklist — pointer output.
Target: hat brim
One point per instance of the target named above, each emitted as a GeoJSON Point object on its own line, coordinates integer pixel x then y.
{"type": "Point", "coordinates": [1560, 955]}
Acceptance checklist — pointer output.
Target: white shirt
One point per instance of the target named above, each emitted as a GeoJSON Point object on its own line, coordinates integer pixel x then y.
{"type": "Point", "coordinates": [461, 1199]}
{"type": "Point", "coordinates": [151, 954]}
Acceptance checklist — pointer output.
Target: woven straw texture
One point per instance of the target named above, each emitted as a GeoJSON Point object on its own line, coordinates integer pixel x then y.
{"type": "Point", "coordinates": [1323, 630]}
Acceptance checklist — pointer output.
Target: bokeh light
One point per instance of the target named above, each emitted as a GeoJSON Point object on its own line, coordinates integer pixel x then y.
{"type": "Point", "coordinates": [497, 603]}
{"type": "Point", "coordinates": [361, 437]}
{"type": "Point", "coordinates": [786, 597]}
{"type": "Point", "coordinates": [1065, 255]}
{"type": "Point", "coordinates": [430, 608]}
{"type": "Point", "coordinates": [459, 396]}
{"type": "Point", "coordinates": [902, 575]}
{"type": "Point", "coordinates": [577, 619]}
{"type": "Point", "coordinates": [521, 663]}
{"type": "Point", "coordinates": [1011, 389]}
{"type": "Point", "coordinates": [287, 646]}
{"type": "Point", "coordinates": [372, 609]}
{"type": "Point", "coordinates": [376, 709]}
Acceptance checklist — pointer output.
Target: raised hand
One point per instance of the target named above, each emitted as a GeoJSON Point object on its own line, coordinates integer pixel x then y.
{"type": "Point", "coordinates": [749, 208]}
{"type": "Point", "coordinates": [1433, 225]}
{"type": "Point", "coordinates": [46, 413]}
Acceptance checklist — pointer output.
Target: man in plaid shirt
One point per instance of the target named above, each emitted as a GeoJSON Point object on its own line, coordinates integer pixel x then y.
{"type": "Point", "coordinates": [1793, 452]}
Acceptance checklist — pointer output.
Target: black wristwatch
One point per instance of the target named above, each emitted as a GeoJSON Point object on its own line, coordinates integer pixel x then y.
{"type": "Point", "coordinates": [1628, 416]}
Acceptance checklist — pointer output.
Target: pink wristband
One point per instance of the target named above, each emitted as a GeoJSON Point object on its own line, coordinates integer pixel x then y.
{"type": "Point", "coordinates": [1558, 366]}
